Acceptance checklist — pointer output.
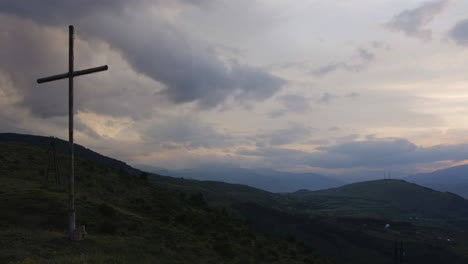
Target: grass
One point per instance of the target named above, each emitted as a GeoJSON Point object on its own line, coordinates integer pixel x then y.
{"type": "Point", "coordinates": [186, 221]}
{"type": "Point", "coordinates": [129, 220]}
{"type": "Point", "coordinates": [348, 223]}
{"type": "Point", "coordinates": [391, 199]}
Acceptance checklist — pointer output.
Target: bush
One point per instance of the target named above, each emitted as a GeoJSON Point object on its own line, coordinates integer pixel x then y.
{"type": "Point", "coordinates": [106, 210]}
{"type": "Point", "coordinates": [108, 228]}
{"type": "Point", "coordinates": [223, 247]}
{"type": "Point", "coordinates": [144, 176]}
{"type": "Point", "coordinates": [26, 261]}
{"type": "Point", "coordinates": [197, 199]}
{"type": "Point", "coordinates": [109, 188]}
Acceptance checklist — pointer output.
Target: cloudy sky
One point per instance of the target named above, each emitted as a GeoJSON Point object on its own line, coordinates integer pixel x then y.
{"type": "Point", "coordinates": [339, 87]}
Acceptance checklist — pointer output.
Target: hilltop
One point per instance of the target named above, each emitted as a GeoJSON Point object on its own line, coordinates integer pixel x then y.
{"type": "Point", "coordinates": [63, 146]}
{"type": "Point", "coordinates": [393, 199]}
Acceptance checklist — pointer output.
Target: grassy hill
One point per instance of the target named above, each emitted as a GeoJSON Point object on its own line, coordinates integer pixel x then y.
{"type": "Point", "coordinates": [392, 199]}
{"type": "Point", "coordinates": [221, 194]}
{"type": "Point", "coordinates": [180, 221]}
{"type": "Point", "coordinates": [128, 219]}
{"type": "Point", "coordinates": [347, 224]}
{"type": "Point", "coordinates": [355, 235]}
{"type": "Point", "coordinates": [63, 146]}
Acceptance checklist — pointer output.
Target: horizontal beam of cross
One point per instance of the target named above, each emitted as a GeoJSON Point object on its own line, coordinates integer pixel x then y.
{"type": "Point", "coordinates": [74, 74]}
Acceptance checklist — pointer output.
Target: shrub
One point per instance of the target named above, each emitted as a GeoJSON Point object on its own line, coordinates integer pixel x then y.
{"type": "Point", "coordinates": [197, 199]}
{"type": "Point", "coordinates": [106, 210]}
{"type": "Point", "coordinates": [108, 228]}
{"type": "Point", "coordinates": [144, 176]}
{"type": "Point", "coordinates": [26, 261]}
{"type": "Point", "coordinates": [223, 247]}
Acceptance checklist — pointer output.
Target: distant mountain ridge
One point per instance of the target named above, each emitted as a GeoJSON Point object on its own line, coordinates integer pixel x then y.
{"type": "Point", "coordinates": [454, 179]}
{"type": "Point", "coordinates": [388, 198]}
{"type": "Point", "coordinates": [63, 146]}
{"type": "Point", "coordinates": [265, 179]}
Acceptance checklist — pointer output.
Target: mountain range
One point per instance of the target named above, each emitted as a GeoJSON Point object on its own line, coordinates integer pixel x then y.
{"type": "Point", "coordinates": [454, 179]}
{"type": "Point", "coordinates": [262, 178]}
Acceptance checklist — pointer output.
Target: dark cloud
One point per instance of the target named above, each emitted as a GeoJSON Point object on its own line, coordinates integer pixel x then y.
{"type": "Point", "coordinates": [347, 138]}
{"type": "Point", "coordinates": [357, 63]}
{"type": "Point", "coordinates": [291, 103]}
{"type": "Point", "coordinates": [185, 132]}
{"type": "Point", "coordinates": [353, 95]}
{"type": "Point", "coordinates": [31, 51]}
{"type": "Point", "coordinates": [295, 103]}
{"type": "Point", "coordinates": [362, 150]}
{"type": "Point", "coordinates": [380, 45]}
{"type": "Point", "coordinates": [326, 69]}
{"type": "Point", "coordinates": [292, 134]}
{"type": "Point", "coordinates": [25, 55]}
{"type": "Point", "coordinates": [299, 65]}
{"type": "Point", "coordinates": [277, 113]}
{"type": "Point", "coordinates": [318, 142]}
{"type": "Point", "coordinates": [326, 98]}
{"type": "Point", "coordinates": [56, 12]}
{"type": "Point", "coordinates": [459, 33]}
{"type": "Point", "coordinates": [412, 21]}
{"type": "Point", "coordinates": [377, 153]}
{"type": "Point", "coordinates": [299, 104]}
{"type": "Point", "coordinates": [191, 71]}
{"type": "Point", "coordinates": [366, 55]}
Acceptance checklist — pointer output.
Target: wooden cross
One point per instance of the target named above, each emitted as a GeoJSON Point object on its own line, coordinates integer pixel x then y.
{"type": "Point", "coordinates": [70, 75]}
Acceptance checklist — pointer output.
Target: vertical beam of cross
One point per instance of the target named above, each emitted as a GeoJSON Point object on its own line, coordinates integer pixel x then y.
{"type": "Point", "coordinates": [70, 75]}
{"type": "Point", "coordinates": [72, 214]}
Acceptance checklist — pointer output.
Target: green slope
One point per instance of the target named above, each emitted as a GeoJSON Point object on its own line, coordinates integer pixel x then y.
{"type": "Point", "coordinates": [62, 145]}
{"type": "Point", "coordinates": [221, 194]}
{"type": "Point", "coordinates": [128, 220]}
{"type": "Point", "coordinates": [393, 199]}
{"type": "Point", "coordinates": [348, 228]}
{"type": "Point", "coordinates": [346, 224]}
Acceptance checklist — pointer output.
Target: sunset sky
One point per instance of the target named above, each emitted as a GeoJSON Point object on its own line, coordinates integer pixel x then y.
{"type": "Point", "coordinates": [338, 87]}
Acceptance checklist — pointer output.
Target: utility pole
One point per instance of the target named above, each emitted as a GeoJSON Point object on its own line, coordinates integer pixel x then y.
{"type": "Point", "coordinates": [398, 252]}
